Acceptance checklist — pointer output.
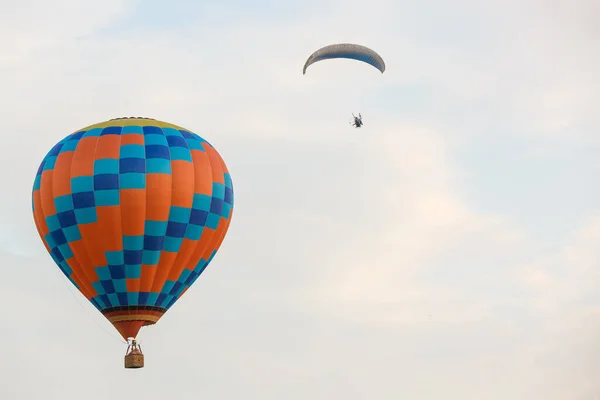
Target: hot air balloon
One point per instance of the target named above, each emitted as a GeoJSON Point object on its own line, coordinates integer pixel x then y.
{"type": "Point", "coordinates": [132, 210]}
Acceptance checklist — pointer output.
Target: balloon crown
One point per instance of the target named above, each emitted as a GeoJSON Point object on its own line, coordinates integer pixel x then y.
{"type": "Point", "coordinates": [114, 119]}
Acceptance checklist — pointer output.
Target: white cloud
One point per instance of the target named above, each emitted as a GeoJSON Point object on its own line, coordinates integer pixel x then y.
{"type": "Point", "coordinates": [379, 275]}
{"type": "Point", "coordinates": [32, 27]}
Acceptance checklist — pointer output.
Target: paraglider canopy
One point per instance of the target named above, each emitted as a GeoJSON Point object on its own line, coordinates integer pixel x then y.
{"type": "Point", "coordinates": [348, 51]}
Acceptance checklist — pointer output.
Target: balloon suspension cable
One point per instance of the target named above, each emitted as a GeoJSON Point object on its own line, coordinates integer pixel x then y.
{"type": "Point", "coordinates": [78, 300]}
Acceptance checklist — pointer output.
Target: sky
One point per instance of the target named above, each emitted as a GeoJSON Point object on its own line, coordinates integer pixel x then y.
{"type": "Point", "coordinates": [446, 250]}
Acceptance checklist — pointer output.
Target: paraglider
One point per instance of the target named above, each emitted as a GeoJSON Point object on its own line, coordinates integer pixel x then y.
{"type": "Point", "coordinates": [132, 210]}
{"type": "Point", "coordinates": [348, 51]}
{"type": "Point", "coordinates": [357, 121]}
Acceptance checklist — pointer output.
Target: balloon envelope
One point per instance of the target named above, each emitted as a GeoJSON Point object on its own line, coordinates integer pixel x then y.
{"type": "Point", "coordinates": [132, 210]}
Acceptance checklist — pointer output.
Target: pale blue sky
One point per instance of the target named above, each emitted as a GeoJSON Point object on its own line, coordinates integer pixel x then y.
{"type": "Point", "coordinates": [447, 250]}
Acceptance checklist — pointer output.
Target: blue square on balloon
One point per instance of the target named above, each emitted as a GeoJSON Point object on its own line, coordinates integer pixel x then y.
{"type": "Point", "coordinates": [132, 129]}
{"type": "Point", "coordinates": [114, 300]}
{"type": "Point", "coordinates": [82, 184]}
{"type": "Point", "coordinates": [57, 255]}
{"type": "Point", "coordinates": [158, 166]}
{"type": "Point", "coordinates": [228, 198]}
{"type": "Point", "coordinates": [218, 190]}
{"type": "Point", "coordinates": [175, 288]}
{"type": "Point", "coordinates": [115, 257]}
{"type": "Point", "coordinates": [132, 165]}
{"type": "Point", "coordinates": [101, 303]}
{"type": "Point", "coordinates": [133, 242]}
{"type": "Point", "coordinates": [179, 290]}
{"type": "Point", "coordinates": [167, 300]}
{"type": "Point", "coordinates": [179, 214]}
{"type": "Point", "coordinates": [132, 151]}
{"type": "Point", "coordinates": [157, 151]}
{"type": "Point", "coordinates": [72, 233]}
{"type": "Point", "coordinates": [176, 141]}
{"type": "Point", "coordinates": [212, 221]}
{"type": "Point", "coordinates": [193, 144]}
{"type": "Point", "coordinates": [106, 166]}
{"type": "Point", "coordinates": [49, 164]}
{"type": "Point", "coordinates": [227, 179]}
{"type": "Point", "coordinates": [93, 132]}
{"type": "Point", "coordinates": [186, 134]}
{"type": "Point", "coordinates": [52, 223]}
{"type": "Point", "coordinates": [191, 278]}
{"type": "Point", "coordinates": [184, 275]}
{"type": "Point", "coordinates": [143, 298]}
{"type": "Point", "coordinates": [86, 215]}
{"type": "Point", "coordinates": [41, 167]}
{"type": "Point", "coordinates": [170, 303]}
{"type": "Point", "coordinates": [167, 286]}
{"type": "Point", "coordinates": [151, 257]}
{"type": "Point", "coordinates": [67, 218]}
{"type": "Point", "coordinates": [70, 145]}
{"type": "Point", "coordinates": [132, 298]}
{"type": "Point", "coordinates": [159, 300]}
{"type": "Point", "coordinates": [120, 284]}
{"type": "Point", "coordinates": [74, 138]}
{"type": "Point", "coordinates": [202, 202]}
{"type": "Point", "coordinates": [194, 232]}
{"type": "Point", "coordinates": [152, 298]}
{"type": "Point", "coordinates": [49, 240]}
{"type": "Point", "coordinates": [122, 296]}
{"type": "Point", "coordinates": [226, 210]}
{"type": "Point", "coordinates": [133, 180]}
{"type": "Point", "coordinates": [133, 271]}
{"type": "Point", "coordinates": [172, 244]}
{"type": "Point", "coordinates": [181, 153]}
{"type": "Point", "coordinates": [107, 198]}
{"type": "Point", "coordinates": [176, 229]}
{"type": "Point", "coordinates": [153, 242]}
{"type": "Point", "coordinates": [105, 300]}
{"type": "Point", "coordinates": [108, 286]}
{"type": "Point", "coordinates": [55, 150]}
{"type": "Point", "coordinates": [99, 288]}
{"type": "Point", "coordinates": [152, 130]}
{"type": "Point", "coordinates": [112, 130]}
{"type": "Point", "coordinates": [83, 199]}
{"type": "Point", "coordinates": [170, 132]}
{"type": "Point", "coordinates": [216, 206]}
{"type": "Point", "coordinates": [106, 181]}
{"type": "Point", "coordinates": [117, 272]}
{"type": "Point", "coordinates": [103, 273]}
{"type": "Point", "coordinates": [198, 217]}
{"type": "Point", "coordinates": [59, 237]}
{"type": "Point", "coordinates": [132, 257]}
{"type": "Point", "coordinates": [155, 228]}
{"type": "Point", "coordinates": [65, 250]}
{"type": "Point", "coordinates": [155, 139]}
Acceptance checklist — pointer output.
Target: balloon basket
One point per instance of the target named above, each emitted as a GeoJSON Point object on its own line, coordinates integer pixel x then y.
{"type": "Point", "coordinates": [134, 358]}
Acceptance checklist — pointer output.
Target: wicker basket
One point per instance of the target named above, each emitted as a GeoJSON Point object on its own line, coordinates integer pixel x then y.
{"type": "Point", "coordinates": [134, 361]}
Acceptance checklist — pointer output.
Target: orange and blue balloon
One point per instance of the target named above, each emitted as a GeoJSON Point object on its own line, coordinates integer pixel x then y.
{"type": "Point", "coordinates": [132, 211]}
